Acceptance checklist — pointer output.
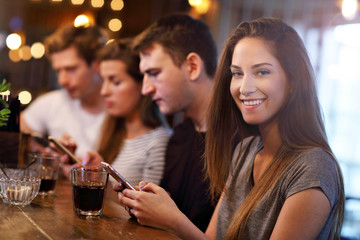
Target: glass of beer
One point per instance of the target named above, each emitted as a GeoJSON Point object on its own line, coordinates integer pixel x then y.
{"type": "Point", "coordinates": [88, 188]}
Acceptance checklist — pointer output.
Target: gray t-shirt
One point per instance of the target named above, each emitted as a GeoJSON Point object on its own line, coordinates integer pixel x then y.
{"type": "Point", "coordinates": [313, 168]}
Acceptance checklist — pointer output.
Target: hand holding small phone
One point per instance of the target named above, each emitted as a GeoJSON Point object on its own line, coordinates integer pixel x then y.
{"type": "Point", "coordinates": [64, 150]}
{"type": "Point", "coordinates": [116, 175]}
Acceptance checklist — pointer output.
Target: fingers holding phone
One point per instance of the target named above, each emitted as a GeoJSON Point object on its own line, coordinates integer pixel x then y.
{"type": "Point", "coordinates": [152, 205]}
{"type": "Point", "coordinates": [68, 142]}
{"type": "Point", "coordinates": [121, 185]}
{"type": "Point", "coordinates": [117, 176]}
{"type": "Point", "coordinates": [63, 149]}
{"type": "Point", "coordinates": [118, 187]}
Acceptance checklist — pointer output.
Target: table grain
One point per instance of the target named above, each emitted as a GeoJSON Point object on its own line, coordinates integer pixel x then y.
{"type": "Point", "coordinates": [52, 217]}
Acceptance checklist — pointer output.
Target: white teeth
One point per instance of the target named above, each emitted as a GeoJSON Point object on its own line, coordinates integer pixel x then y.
{"type": "Point", "coordinates": [252, 103]}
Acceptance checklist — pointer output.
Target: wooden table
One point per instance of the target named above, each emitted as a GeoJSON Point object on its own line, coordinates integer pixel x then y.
{"type": "Point", "coordinates": [53, 217]}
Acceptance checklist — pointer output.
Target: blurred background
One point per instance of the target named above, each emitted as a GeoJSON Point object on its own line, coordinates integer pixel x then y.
{"type": "Point", "coordinates": [329, 28]}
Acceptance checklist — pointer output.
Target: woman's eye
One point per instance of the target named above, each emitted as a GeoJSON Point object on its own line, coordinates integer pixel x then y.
{"type": "Point", "coordinates": [263, 72]}
{"type": "Point", "coordinates": [115, 81]}
{"type": "Point", "coordinates": [237, 74]}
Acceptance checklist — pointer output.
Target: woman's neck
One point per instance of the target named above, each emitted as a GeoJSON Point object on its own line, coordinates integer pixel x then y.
{"type": "Point", "coordinates": [270, 137]}
{"type": "Point", "coordinates": [135, 127]}
{"type": "Point", "coordinates": [271, 140]}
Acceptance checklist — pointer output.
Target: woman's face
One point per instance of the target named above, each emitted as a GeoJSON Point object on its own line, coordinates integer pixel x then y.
{"type": "Point", "coordinates": [258, 85]}
{"type": "Point", "coordinates": [120, 91]}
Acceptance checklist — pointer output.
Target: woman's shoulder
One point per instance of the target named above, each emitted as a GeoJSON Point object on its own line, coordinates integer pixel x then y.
{"type": "Point", "coordinates": [158, 134]}
{"type": "Point", "coordinates": [316, 157]}
{"type": "Point", "coordinates": [312, 168]}
{"type": "Point", "coordinates": [313, 162]}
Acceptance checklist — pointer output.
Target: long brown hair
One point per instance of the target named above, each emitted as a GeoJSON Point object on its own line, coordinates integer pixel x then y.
{"type": "Point", "coordinates": [300, 119]}
{"type": "Point", "coordinates": [113, 131]}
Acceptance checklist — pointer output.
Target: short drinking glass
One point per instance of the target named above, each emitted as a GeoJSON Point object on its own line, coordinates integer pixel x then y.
{"type": "Point", "coordinates": [88, 187]}
{"type": "Point", "coordinates": [48, 165]}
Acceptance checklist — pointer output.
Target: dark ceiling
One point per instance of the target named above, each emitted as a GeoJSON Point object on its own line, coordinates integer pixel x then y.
{"type": "Point", "coordinates": [42, 17]}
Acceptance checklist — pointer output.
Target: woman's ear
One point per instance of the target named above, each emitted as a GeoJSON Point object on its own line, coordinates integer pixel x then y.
{"type": "Point", "coordinates": [195, 65]}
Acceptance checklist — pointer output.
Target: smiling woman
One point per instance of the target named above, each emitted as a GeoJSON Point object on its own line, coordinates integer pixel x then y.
{"type": "Point", "coordinates": [258, 85]}
{"type": "Point", "coordinates": [283, 163]}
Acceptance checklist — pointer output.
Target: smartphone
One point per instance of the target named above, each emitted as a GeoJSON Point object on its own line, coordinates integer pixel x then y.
{"type": "Point", "coordinates": [65, 150]}
{"type": "Point", "coordinates": [116, 175]}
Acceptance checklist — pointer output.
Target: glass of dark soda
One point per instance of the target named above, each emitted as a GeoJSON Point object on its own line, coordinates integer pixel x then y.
{"type": "Point", "coordinates": [48, 166]}
{"type": "Point", "coordinates": [88, 188]}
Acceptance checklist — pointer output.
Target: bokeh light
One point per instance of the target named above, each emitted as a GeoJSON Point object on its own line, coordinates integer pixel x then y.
{"type": "Point", "coordinates": [117, 5]}
{"type": "Point", "coordinates": [14, 55]}
{"type": "Point", "coordinates": [25, 53]}
{"type": "Point", "coordinates": [97, 3]}
{"type": "Point", "coordinates": [82, 20]}
{"type": "Point", "coordinates": [37, 50]}
{"type": "Point", "coordinates": [6, 94]}
{"type": "Point", "coordinates": [13, 41]}
{"type": "Point", "coordinates": [115, 24]}
{"type": "Point", "coordinates": [194, 3]}
{"type": "Point", "coordinates": [25, 97]}
{"type": "Point", "coordinates": [110, 41]}
{"type": "Point", "coordinates": [349, 8]}
{"type": "Point", "coordinates": [77, 2]}
{"type": "Point", "coordinates": [201, 6]}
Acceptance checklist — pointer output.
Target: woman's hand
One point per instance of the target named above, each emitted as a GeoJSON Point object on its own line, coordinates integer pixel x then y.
{"type": "Point", "coordinates": [69, 143]}
{"type": "Point", "coordinates": [65, 161]}
{"type": "Point", "coordinates": [152, 205]}
{"type": "Point", "coordinates": [92, 159]}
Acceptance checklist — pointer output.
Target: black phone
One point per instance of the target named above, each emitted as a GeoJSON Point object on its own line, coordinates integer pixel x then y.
{"type": "Point", "coordinates": [116, 175]}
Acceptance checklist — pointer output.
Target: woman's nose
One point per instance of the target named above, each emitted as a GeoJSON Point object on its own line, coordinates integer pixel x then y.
{"type": "Point", "coordinates": [247, 86]}
{"type": "Point", "coordinates": [104, 89]}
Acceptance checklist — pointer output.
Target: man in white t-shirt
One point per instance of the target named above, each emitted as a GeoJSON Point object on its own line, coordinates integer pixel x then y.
{"type": "Point", "coordinates": [76, 111]}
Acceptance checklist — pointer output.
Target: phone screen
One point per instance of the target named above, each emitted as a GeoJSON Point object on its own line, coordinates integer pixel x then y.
{"type": "Point", "coordinates": [116, 175]}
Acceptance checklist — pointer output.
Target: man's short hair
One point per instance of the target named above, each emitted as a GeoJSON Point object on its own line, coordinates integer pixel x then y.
{"type": "Point", "coordinates": [87, 41]}
{"type": "Point", "coordinates": [179, 35]}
